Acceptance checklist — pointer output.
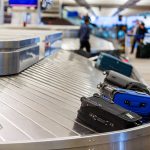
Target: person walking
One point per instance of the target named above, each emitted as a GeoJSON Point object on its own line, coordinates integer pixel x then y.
{"type": "Point", "coordinates": [140, 34]}
{"type": "Point", "coordinates": [85, 35]}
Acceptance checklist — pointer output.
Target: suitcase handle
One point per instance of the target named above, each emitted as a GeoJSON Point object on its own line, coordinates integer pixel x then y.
{"type": "Point", "coordinates": [138, 87]}
{"type": "Point", "coordinates": [134, 104]}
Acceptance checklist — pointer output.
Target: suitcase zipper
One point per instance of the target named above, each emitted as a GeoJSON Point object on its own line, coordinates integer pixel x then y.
{"type": "Point", "coordinates": [105, 122]}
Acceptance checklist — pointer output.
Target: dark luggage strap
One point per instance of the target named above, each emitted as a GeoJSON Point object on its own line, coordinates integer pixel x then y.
{"type": "Point", "coordinates": [138, 87]}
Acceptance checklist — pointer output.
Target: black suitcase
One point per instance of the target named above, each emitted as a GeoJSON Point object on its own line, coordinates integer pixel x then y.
{"type": "Point", "coordinates": [143, 51]}
{"type": "Point", "coordinates": [119, 80]}
{"type": "Point", "coordinates": [104, 116]}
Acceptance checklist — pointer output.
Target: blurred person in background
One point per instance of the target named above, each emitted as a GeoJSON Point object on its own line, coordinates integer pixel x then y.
{"type": "Point", "coordinates": [139, 35]}
{"type": "Point", "coordinates": [84, 34]}
{"type": "Point", "coordinates": [134, 32]}
{"type": "Point", "coordinates": [142, 31]}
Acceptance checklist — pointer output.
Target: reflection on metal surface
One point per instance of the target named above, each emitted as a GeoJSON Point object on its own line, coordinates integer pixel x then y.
{"type": "Point", "coordinates": [17, 52]}
{"type": "Point", "coordinates": [47, 39]}
{"type": "Point", "coordinates": [16, 61]}
{"type": "Point", "coordinates": [39, 109]}
{"type": "Point", "coordinates": [21, 50]}
{"type": "Point", "coordinates": [9, 42]}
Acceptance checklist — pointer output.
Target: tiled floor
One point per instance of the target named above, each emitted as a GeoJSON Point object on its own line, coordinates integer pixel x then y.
{"type": "Point", "coordinates": [142, 66]}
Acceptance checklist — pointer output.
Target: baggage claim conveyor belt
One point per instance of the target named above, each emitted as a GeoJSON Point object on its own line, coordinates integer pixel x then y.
{"type": "Point", "coordinates": [38, 109]}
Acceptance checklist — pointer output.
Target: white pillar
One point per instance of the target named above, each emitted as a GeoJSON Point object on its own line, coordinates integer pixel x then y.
{"type": "Point", "coordinates": [1, 11]}
{"type": "Point", "coordinates": [39, 12]}
{"type": "Point", "coordinates": [60, 9]}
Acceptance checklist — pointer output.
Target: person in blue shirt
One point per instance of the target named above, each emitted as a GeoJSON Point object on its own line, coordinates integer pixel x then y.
{"type": "Point", "coordinates": [139, 37]}
{"type": "Point", "coordinates": [85, 35]}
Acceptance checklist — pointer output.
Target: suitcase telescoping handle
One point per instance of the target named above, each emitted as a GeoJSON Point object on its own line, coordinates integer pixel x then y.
{"type": "Point", "coordinates": [106, 91]}
{"type": "Point", "coordinates": [104, 86]}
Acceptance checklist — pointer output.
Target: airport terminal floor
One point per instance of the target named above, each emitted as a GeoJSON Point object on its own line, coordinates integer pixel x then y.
{"type": "Point", "coordinates": [68, 77]}
{"type": "Point", "coordinates": [142, 65]}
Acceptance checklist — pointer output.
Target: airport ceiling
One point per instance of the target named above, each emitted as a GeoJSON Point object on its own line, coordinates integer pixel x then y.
{"type": "Point", "coordinates": [108, 7]}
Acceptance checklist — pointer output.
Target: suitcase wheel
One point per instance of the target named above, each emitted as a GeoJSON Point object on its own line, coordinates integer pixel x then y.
{"type": "Point", "coordinates": [83, 98]}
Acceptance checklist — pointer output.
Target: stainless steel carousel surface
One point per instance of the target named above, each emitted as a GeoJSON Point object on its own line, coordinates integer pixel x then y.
{"type": "Point", "coordinates": [38, 109]}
